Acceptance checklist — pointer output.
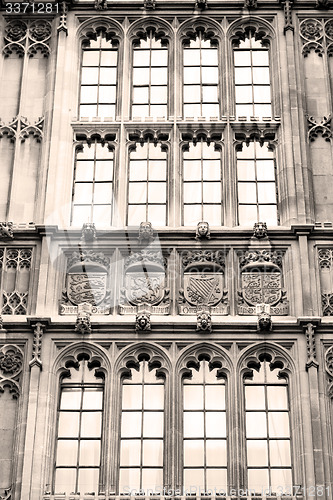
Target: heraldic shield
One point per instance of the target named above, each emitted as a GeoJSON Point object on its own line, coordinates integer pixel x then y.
{"type": "Point", "coordinates": [86, 287]}
{"type": "Point", "coordinates": [144, 288]}
{"type": "Point", "coordinates": [261, 288]}
{"type": "Point", "coordinates": [203, 289]}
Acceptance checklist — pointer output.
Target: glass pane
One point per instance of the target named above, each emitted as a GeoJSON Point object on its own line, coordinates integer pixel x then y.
{"type": "Point", "coordinates": [90, 452]}
{"type": "Point", "coordinates": [129, 480]}
{"type": "Point", "coordinates": [217, 479]}
{"type": "Point", "coordinates": [91, 424]}
{"type": "Point", "coordinates": [84, 170]}
{"type": "Point", "coordinates": [68, 424]}
{"type": "Point", "coordinates": [157, 215]}
{"type": "Point", "coordinates": [193, 397]}
{"type": "Point", "coordinates": [256, 424]}
{"type": "Point", "coordinates": [159, 76]}
{"type": "Point", "coordinates": [154, 397]}
{"type": "Point", "coordinates": [244, 110]}
{"type": "Point", "coordinates": [159, 57]}
{"type": "Point", "coordinates": [209, 57]}
{"type": "Point", "coordinates": [141, 58]}
{"type": "Point", "coordinates": [192, 170]}
{"type": "Point", "coordinates": [131, 424]}
{"type": "Point", "coordinates": [108, 58]}
{"type": "Point", "coordinates": [89, 76]}
{"type": "Point", "coordinates": [107, 94]}
{"type": "Point", "coordinates": [102, 215]}
{"type": "Point", "coordinates": [194, 452]}
{"type": "Point", "coordinates": [140, 95]}
{"type": "Point", "coordinates": [194, 479]}
{"type": "Point", "coordinates": [193, 424]}
{"type": "Point", "coordinates": [258, 479]}
{"type": "Point", "coordinates": [67, 452]}
{"type": "Point", "coordinates": [262, 110]}
{"type": "Point", "coordinates": [140, 111]}
{"type": "Point", "coordinates": [132, 397]}
{"type": "Point", "coordinates": [246, 170]}
{"type": "Point", "coordinates": [255, 398]}
{"type": "Point", "coordinates": [211, 170]}
{"type": "Point", "coordinates": [192, 192]}
{"type": "Point", "coordinates": [65, 480]}
{"type": "Point", "coordinates": [140, 76]}
{"type": "Point", "coordinates": [191, 75]}
{"type": "Point", "coordinates": [153, 424]}
{"type": "Point", "coordinates": [106, 110]}
{"type": "Point", "coordinates": [137, 192]}
{"type": "Point", "coordinates": [242, 58]}
{"type": "Point", "coordinates": [90, 58]}
{"type": "Point", "coordinates": [212, 214]}
{"type": "Point", "coordinates": [130, 452]}
{"type": "Point", "coordinates": [104, 170]}
{"type": "Point", "coordinates": [152, 452]}
{"type": "Point", "coordinates": [80, 215]}
{"type": "Point", "coordinates": [158, 110]}
{"type": "Point", "coordinates": [262, 93]}
{"type": "Point", "coordinates": [138, 170]}
{"type": "Point", "coordinates": [88, 480]}
{"type": "Point", "coordinates": [83, 193]}
{"type": "Point", "coordinates": [243, 94]}
{"type": "Point", "coordinates": [260, 58]}
{"type": "Point", "coordinates": [136, 214]}
{"type": "Point", "coordinates": [193, 110]}
{"type": "Point", "coordinates": [216, 450]}
{"type": "Point", "coordinates": [92, 399]}
{"type": "Point", "coordinates": [191, 57]}
{"type": "Point", "coordinates": [70, 399]}
{"type": "Point", "coordinates": [266, 192]}
{"type": "Point", "coordinates": [215, 397]}
{"type": "Point", "coordinates": [212, 192]}
{"type": "Point", "coordinates": [279, 452]}
{"type": "Point", "coordinates": [243, 76]}
{"type": "Point", "coordinates": [257, 453]}
{"type": "Point", "coordinates": [103, 192]}
{"type": "Point", "coordinates": [156, 192]}
{"type": "Point", "coordinates": [247, 192]}
{"type": "Point", "coordinates": [278, 424]}
{"type": "Point", "coordinates": [210, 75]}
{"type": "Point", "coordinates": [277, 398]}
{"type": "Point", "coordinates": [265, 170]}
{"type": "Point", "coordinates": [89, 94]}
{"type": "Point", "coordinates": [192, 215]}
{"type": "Point", "coordinates": [215, 424]}
{"type": "Point", "coordinates": [261, 75]}
{"type": "Point", "coordinates": [268, 213]}
{"type": "Point", "coordinates": [247, 215]}
{"type": "Point", "coordinates": [108, 76]}
{"type": "Point", "coordinates": [282, 478]}
{"type": "Point", "coordinates": [192, 93]}
{"type": "Point", "coordinates": [152, 479]}
{"type": "Point", "coordinates": [158, 95]}
{"type": "Point", "coordinates": [157, 170]}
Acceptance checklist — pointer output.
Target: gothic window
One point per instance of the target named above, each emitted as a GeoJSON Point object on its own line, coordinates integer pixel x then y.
{"type": "Point", "coordinates": [150, 78]}
{"type": "Point", "coordinates": [15, 267]}
{"type": "Point", "coordinates": [142, 429]}
{"type": "Point", "coordinates": [204, 430]}
{"type": "Point", "coordinates": [257, 192]}
{"type": "Point", "coordinates": [202, 183]}
{"type": "Point", "coordinates": [252, 78]}
{"type": "Point", "coordinates": [93, 184]}
{"type": "Point", "coordinates": [99, 78]}
{"type": "Point", "coordinates": [80, 415]}
{"type": "Point", "coordinates": [201, 77]}
{"type": "Point", "coordinates": [267, 429]}
{"type": "Point", "coordinates": [147, 184]}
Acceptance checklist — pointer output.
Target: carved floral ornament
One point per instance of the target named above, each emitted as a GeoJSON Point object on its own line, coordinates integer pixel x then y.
{"type": "Point", "coordinates": [20, 128]}
{"type": "Point", "coordinates": [317, 35]}
{"type": "Point", "coordinates": [265, 352]}
{"type": "Point", "coordinates": [203, 282]}
{"type": "Point", "coordinates": [27, 37]}
{"type": "Point", "coordinates": [86, 281]}
{"type": "Point", "coordinates": [11, 365]}
{"type": "Point", "coordinates": [325, 257]}
{"type": "Point", "coordinates": [329, 369]}
{"type": "Point", "coordinates": [261, 282]}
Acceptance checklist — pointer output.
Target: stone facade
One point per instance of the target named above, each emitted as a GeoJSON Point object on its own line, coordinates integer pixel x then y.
{"type": "Point", "coordinates": [114, 297]}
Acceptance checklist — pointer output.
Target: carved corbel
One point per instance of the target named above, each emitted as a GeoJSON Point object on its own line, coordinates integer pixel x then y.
{"type": "Point", "coordinates": [149, 4]}
{"type": "Point", "coordinates": [6, 231]}
{"type": "Point", "coordinates": [88, 232]}
{"type": "Point", "coordinates": [204, 321]}
{"type": "Point", "coordinates": [83, 323]}
{"type": "Point", "coordinates": [142, 321]}
{"type": "Point", "coordinates": [260, 230]}
{"type": "Point", "coordinates": [146, 233]}
{"type": "Point", "coordinates": [202, 231]}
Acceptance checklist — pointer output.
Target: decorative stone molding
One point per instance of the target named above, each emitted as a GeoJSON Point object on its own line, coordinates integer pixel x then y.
{"type": "Point", "coordinates": [20, 128]}
{"type": "Point", "coordinates": [323, 127]}
{"type": "Point", "coordinates": [142, 321]}
{"type": "Point", "coordinates": [195, 135]}
{"type": "Point", "coordinates": [10, 129]}
{"type": "Point", "coordinates": [203, 282]}
{"type": "Point", "coordinates": [317, 34]}
{"type": "Point", "coordinates": [248, 132]}
{"type": "Point", "coordinates": [8, 494]}
{"type": "Point", "coordinates": [11, 366]}
{"type": "Point", "coordinates": [144, 135]}
{"type": "Point", "coordinates": [27, 37]}
{"type": "Point", "coordinates": [37, 343]}
{"type": "Point", "coordinates": [250, 4]}
{"type": "Point", "coordinates": [309, 330]}
{"type": "Point", "coordinates": [207, 28]}
{"type": "Point", "coordinates": [261, 282]}
{"type": "Point", "coordinates": [325, 257]}
{"type": "Point", "coordinates": [145, 284]}
{"type": "Point", "coordinates": [149, 4]}
{"type": "Point", "coordinates": [159, 28]}
{"type": "Point", "coordinates": [39, 34]}
{"type": "Point", "coordinates": [88, 232]}
{"type": "Point", "coordinates": [83, 322]}
{"type": "Point", "coordinates": [6, 231]}
{"type": "Point", "coordinates": [288, 15]}
{"type": "Point", "coordinates": [192, 359]}
{"type": "Point", "coordinates": [329, 370]}
{"type": "Point", "coordinates": [202, 231]}
{"type": "Point", "coordinates": [101, 4]}
{"type": "Point", "coordinates": [111, 30]}
{"type": "Point", "coordinates": [139, 352]}
{"type": "Point", "coordinates": [258, 28]}
{"type": "Point", "coordinates": [260, 230]}
{"type": "Point", "coordinates": [62, 26]}
{"type": "Point", "coordinates": [15, 260]}
{"type": "Point", "coordinates": [15, 37]}
{"type": "Point", "coordinates": [322, 4]}
{"type": "Point", "coordinates": [146, 233]}
{"type": "Point", "coordinates": [264, 351]}
{"type": "Point", "coordinates": [204, 321]}
{"type": "Point", "coordinates": [201, 4]}
{"type": "Point", "coordinates": [87, 280]}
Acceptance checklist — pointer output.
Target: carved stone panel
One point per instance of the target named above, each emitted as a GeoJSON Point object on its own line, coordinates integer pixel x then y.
{"type": "Point", "coordinates": [325, 256]}
{"type": "Point", "coordinates": [203, 283]}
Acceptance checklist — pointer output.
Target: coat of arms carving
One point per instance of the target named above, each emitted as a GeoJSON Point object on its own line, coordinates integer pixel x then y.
{"type": "Point", "coordinates": [86, 282]}
{"type": "Point", "coordinates": [145, 284]}
{"type": "Point", "coordinates": [203, 282]}
{"type": "Point", "coordinates": [261, 283]}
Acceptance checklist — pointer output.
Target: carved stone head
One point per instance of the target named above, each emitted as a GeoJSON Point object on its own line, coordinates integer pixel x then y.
{"type": "Point", "coordinates": [264, 322]}
{"type": "Point", "coordinates": [260, 230]}
{"type": "Point", "coordinates": [146, 232]}
{"type": "Point", "coordinates": [83, 324]}
{"type": "Point", "coordinates": [142, 322]}
{"type": "Point", "coordinates": [202, 231]}
{"type": "Point", "coordinates": [204, 321]}
{"type": "Point", "coordinates": [88, 231]}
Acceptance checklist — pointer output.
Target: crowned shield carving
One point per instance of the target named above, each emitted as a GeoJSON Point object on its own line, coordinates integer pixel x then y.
{"type": "Point", "coordinates": [84, 287]}
{"type": "Point", "coordinates": [203, 289]}
{"type": "Point", "coordinates": [261, 288]}
{"type": "Point", "coordinates": [144, 288]}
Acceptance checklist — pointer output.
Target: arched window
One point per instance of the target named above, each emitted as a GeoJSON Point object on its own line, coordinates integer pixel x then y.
{"type": "Point", "coordinates": [252, 78]}
{"type": "Point", "coordinates": [257, 192]}
{"type": "Point", "coordinates": [267, 429]}
{"type": "Point", "coordinates": [147, 183]}
{"type": "Point", "coordinates": [201, 77]}
{"type": "Point", "coordinates": [204, 431]}
{"type": "Point", "coordinates": [142, 430]}
{"type": "Point", "coordinates": [80, 412]}
{"type": "Point", "coordinates": [93, 184]}
{"type": "Point", "coordinates": [202, 183]}
{"type": "Point", "coordinates": [150, 77]}
{"type": "Point", "coordinates": [98, 93]}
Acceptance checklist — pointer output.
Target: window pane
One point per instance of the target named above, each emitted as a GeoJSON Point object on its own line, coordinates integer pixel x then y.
{"type": "Point", "coordinates": [154, 397]}
{"type": "Point", "coordinates": [281, 477]}
{"type": "Point", "coordinates": [136, 214]}
{"type": "Point", "coordinates": [243, 76]}
{"type": "Point", "coordinates": [210, 75]}
{"type": "Point", "coordinates": [279, 451]}
{"type": "Point", "coordinates": [65, 480]}
{"type": "Point", "coordinates": [153, 424]}
{"type": "Point", "coordinates": [159, 76]}
{"type": "Point", "coordinates": [247, 215]}
{"type": "Point", "coordinates": [265, 170]}
{"type": "Point", "coordinates": [90, 58]}
{"type": "Point", "coordinates": [268, 213]}
{"type": "Point", "coordinates": [192, 215]}
{"type": "Point", "coordinates": [141, 57]}
{"type": "Point", "coordinates": [255, 398]}
{"type": "Point", "coordinates": [152, 479]}
{"type": "Point", "coordinates": [243, 94]}
{"type": "Point", "coordinates": [210, 110]}
{"type": "Point", "coordinates": [140, 95]}
{"type": "Point", "coordinates": [88, 480]}
{"type": "Point", "coordinates": [129, 479]}
{"type": "Point", "coordinates": [194, 478]}
{"type": "Point", "coordinates": [258, 479]}
{"type": "Point", "coordinates": [192, 93]}
{"type": "Point", "coordinates": [137, 192]}
{"type": "Point", "coordinates": [152, 452]}
{"type": "Point", "coordinates": [247, 192]}
{"type": "Point", "coordinates": [266, 192]}
{"type": "Point", "coordinates": [215, 397]}
{"type": "Point", "coordinates": [260, 58]}
{"type": "Point", "coordinates": [215, 424]}
{"type": "Point", "coordinates": [90, 452]}
{"type": "Point", "coordinates": [140, 76]}
{"type": "Point", "coordinates": [83, 193]}
{"type": "Point", "coordinates": [107, 94]}
{"type": "Point", "coordinates": [278, 424]}
{"type": "Point", "coordinates": [68, 424]}
{"type": "Point", "coordinates": [277, 398]}
{"type": "Point", "coordinates": [261, 75]}
{"type": "Point", "coordinates": [70, 399]}
{"type": "Point", "coordinates": [262, 93]}
{"type": "Point", "coordinates": [103, 192]}
{"type": "Point", "coordinates": [89, 76]}
{"type": "Point", "coordinates": [193, 397]}
{"type": "Point", "coordinates": [81, 215]}
{"type": "Point", "coordinates": [193, 110]}
{"type": "Point", "coordinates": [92, 399]}
{"type": "Point", "coordinates": [108, 58]}
{"type": "Point", "coordinates": [242, 58]}
{"type": "Point", "coordinates": [156, 192]}
{"type": "Point", "coordinates": [138, 170]}
{"type": "Point", "coordinates": [211, 170]}
{"type": "Point", "coordinates": [132, 397]}
{"type": "Point", "coordinates": [216, 450]}
{"type": "Point", "coordinates": [194, 452]}
{"type": "Point", "coordinates": [89, 94]}
{"type": "Point", "coordinates": [91, 424]}
{"type": "Point", "coordinates": [212, 214]}
{"type": "Point", "coordinates": [256, 424]}
{"type": "Point", "coordinates": [130, 452]}
{"type": "Point", "coordinates": [131, 424]}
{"type": "Point", "coordinates": [257, 453]}
{"type": "Point", "coordinates": [212, 192]}
{"type": "Point", "coordinates": [158, 95]}
{"type": "Point", "coordinates": [217, 478]}
{"type": "Point", "coordinates": [159, 57]}
{"type": "Point", "coordinates": [157, 170]}
{"type": "Point", "coordinates": [191, 75]}
{"type": "Point", "coordinates": [193, 424]}
{"type": "Point", "coordinates": [192, 192]}
{"type": "Point", "coordinates": [67, 452]}
{"type": "Point", "coordinates": [192, 170]}
{"type": "Point", "coordinates": [191, 57]}
{"type": "Point", "coordinates": [209, 57]}
{"type": "Point", "coordinates": [157, 215]}
{"type": "Point", "coordinates": [108, 76]}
